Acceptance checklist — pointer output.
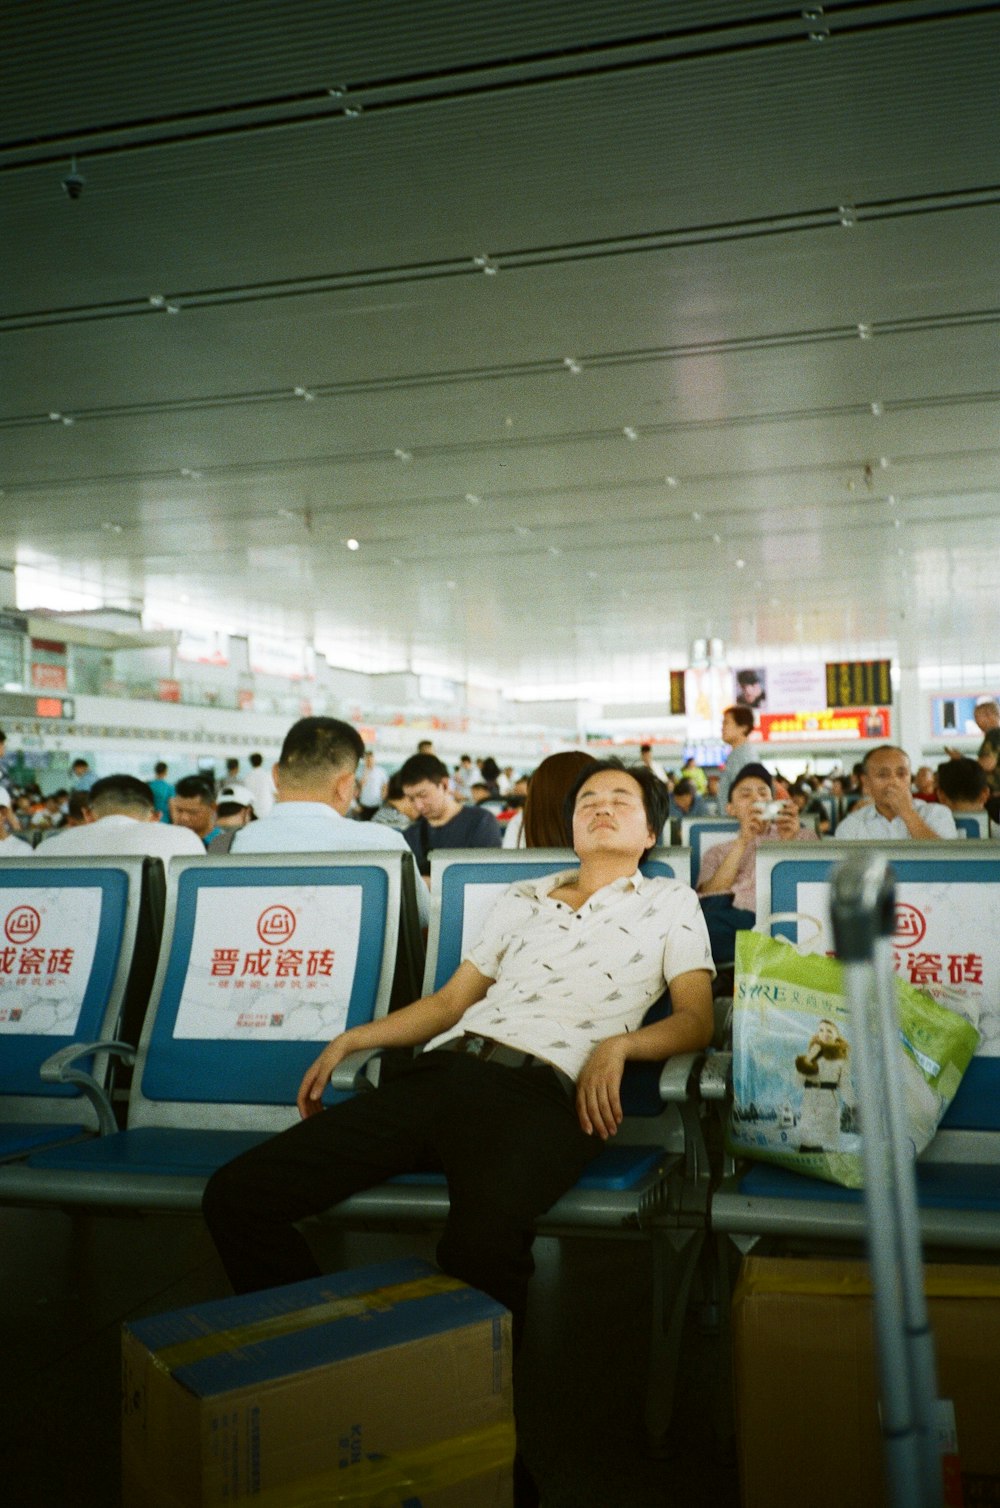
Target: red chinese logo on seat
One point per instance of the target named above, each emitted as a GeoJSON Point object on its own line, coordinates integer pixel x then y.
{"type": "Point", "coordinates": [276, 925]}
{"type": "Point", "coordinates": [22, 924]}
{"type": "Point", "coordinates": [911, 925]}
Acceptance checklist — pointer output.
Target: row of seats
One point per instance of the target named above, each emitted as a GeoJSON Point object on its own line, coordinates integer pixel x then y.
{"type": "Point", "coordinates": [263, 958]}
{"type": "Point", "coordinates": [215, 1069]}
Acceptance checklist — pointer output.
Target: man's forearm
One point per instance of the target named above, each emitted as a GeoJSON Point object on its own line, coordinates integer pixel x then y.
{"type": "Point", "coordinates": [724, 878]}
{"type": "Point", "coordinates": [683, 1031]}
{"type": "Point", "coordinates": [918, 828]}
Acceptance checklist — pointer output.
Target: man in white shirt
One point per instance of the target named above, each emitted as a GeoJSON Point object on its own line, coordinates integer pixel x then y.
{"type": "Point", "coordinates": [316, 781]}
{"type": "Point", "coordinates": [260, 785]}
{"type": "Point", "coordinates": [372, 783]}
{"type": "Point", "coordinates": [526, 1047]}
{"type": "Point", "coordinates": [12, 846]}
{"type": "Point", "coordinates": [122, 819]}
{"type": "Point", "coordinates": [893, 811]}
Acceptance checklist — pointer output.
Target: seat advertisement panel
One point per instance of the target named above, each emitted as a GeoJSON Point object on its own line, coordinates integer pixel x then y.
{"type": "Point", "coordinates": [271, 965]}
{"type": "Point", "coordinates": [947, 942]}
{"type": "Point", "coordinates": [48, 937]}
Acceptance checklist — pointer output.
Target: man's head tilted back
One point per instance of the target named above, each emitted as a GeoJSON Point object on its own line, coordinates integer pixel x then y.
{"type": "Point", "coordinates": [612, 809]}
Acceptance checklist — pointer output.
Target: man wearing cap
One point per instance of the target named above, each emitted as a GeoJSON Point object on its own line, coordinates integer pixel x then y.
{"type": "Point", "coordinates": [727, 881]}
{"type": "Point", "coordinates": [233, 810]}
{"type": "Point", "coordinates": [12, 845]}
{"type": "Point", "coordinates": [122, 819]}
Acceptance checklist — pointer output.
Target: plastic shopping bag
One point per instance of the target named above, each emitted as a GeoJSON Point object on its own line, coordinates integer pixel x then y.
{"type": "Point", "coordinates": [793, 1090]}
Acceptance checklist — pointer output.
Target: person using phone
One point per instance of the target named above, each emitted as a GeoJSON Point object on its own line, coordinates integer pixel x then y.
{"type": "Point", "coordinates": [727, 883]}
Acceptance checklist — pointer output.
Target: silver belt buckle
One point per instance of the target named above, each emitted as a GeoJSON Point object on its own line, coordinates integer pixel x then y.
{"type": "Point", "coordinates": [475, 1045]}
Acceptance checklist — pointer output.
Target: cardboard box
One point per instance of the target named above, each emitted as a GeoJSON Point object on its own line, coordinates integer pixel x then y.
{"type": "Point", "coordinates": [805, 1374]}
{"type": "Point", "coordinates": [390, 1385]}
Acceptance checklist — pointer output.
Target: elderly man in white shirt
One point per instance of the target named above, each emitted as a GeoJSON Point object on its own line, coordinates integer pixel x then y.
{"type": "Point", "coordinates": [122, 819]}
{"type": "Point", "coordinates": [519, 1085]}
{"type": "Point", "coordinates": [893, 811]}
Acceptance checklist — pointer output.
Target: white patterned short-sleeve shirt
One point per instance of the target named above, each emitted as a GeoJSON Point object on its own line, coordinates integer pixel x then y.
{"type": "Point", "coordinates": [565, 980]}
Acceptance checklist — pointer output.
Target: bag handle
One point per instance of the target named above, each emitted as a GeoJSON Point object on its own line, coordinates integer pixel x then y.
{"type": "Point", "coordinates": [764, 926]}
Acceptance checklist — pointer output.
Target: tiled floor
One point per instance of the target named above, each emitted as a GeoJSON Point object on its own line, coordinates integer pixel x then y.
{"type": "Point", "coordinates": [66, 1285]}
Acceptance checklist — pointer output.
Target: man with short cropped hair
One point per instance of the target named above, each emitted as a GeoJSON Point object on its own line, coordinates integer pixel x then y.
{"type": "Point", "coordinates": [442, 822]}
{"type": "Point", "coordinates": [162, 790]}
{"type": "Point", "coordinates": [893, 811]}
{"type": "Point", "coordinates": [316, 781]}
{"type": "Point", "coordinates": [193, 806]}
{"type": "Point", "coordinates": [122, 819]}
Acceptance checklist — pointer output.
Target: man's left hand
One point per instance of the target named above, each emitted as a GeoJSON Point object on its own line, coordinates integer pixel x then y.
{"type": "Point", "coordinates": [787, 824]}
{"type": "Point", "coordinates": [598, 1101]}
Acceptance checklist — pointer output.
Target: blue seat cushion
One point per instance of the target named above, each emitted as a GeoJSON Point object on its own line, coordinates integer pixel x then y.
{"type": "Point", "coordinates": [18, 1138]}
{"type": "Point", "coordinates": [616, 1168]}
{"type": "Point", "coordinates": [152, 1150]}
{"type": "Point", "coordinates": [940, 1185]}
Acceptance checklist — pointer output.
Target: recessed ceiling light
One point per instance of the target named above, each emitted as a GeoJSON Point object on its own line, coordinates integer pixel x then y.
{"type": "Point", "coordinates": [572, 365]}
{"type": "Point", "coordinates": [671, 481]}
{"type": "Point", "coordinates": [716, 539]}
{"type": "Point", "coordinates": [630, 433]}
{"type": "Point", "coordinates": [864, 332]}
{"type": "Point", "coordinates": [696, 517]}
{"type": "Point", "coordinates": [877, 409]}
{"type": "Point", "coordinates": [473, 498]}
{"type": "Point", "coordinates": [403, 455]}
{"type": "Point", "coordinates": [486, 264]}
{"type": "Point", "coordinates": [451, 585]}
{"type": "Point", "coordinates": [352, 544]}
{"type": "Point", "coordinates": [740, 565]}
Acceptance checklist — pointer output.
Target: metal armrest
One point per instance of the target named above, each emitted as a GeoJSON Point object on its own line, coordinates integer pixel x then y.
{"type": "Point", "coordinates": [677, 1074]}
{"type": "Point", "coordinates": [349, 1074]}
{"type": "Point", "coordinates": [59, 1070]}
{"type": "Point", "coordinates": [717, 1076]}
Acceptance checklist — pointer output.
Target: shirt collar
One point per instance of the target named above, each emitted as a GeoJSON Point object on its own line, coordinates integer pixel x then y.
{"type": "Point", "coordinates": [283, 809]}
{"type": "Point", "coordinates": [543, 887]}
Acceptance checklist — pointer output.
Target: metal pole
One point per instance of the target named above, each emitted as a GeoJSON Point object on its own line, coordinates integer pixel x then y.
{"type": "Point", "coordinates": [862, 905]}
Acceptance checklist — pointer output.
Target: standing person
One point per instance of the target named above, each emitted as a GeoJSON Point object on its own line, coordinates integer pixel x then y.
{"type": "Point", "coordinates": [465, 774]}
{"type": "Point", "coordinates": [987, 715]}
{"type": "Point", "coordinates": [737, 726]}
{"type": "Point", "coordinates": [372, 785]}
{"type": "Point", "coordinates": [260, 785]}
{"type": "Point", "coordinates": [691, 770]}
{"type": "Point", "coordinates": [162, 791]}
{"type": "Point", "coordinates": [892, 811]}
{"type": "Point", "coordinates": [316, 778]}
{"type": "Point", "coordinates": [519, 1083]}
{"type": "Point", "coordinates": [646, 756]}
{"type": "Point", "coordinates": [442, 822]}
{"type": "Point", "coordinates": [83, 775]}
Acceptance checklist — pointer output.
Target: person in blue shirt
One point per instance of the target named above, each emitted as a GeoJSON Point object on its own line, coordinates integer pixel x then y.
{"type": "Point", "coordinates": [685, 800]}
{"type": "Point", "coordinates": [162, 791]}
{"type": "Point", "coordinates": [83, 775]}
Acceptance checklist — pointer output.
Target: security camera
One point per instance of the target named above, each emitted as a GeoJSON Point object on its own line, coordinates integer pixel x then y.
{"type": "Point", "coordinates": [73, 184]}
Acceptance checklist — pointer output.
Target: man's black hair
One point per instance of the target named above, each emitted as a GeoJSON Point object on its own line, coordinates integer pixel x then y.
{"type": "Point", "coordinates": [196, 788]}
{"type": "Point", "coordinates": [742, 717]}
{"type": "Point", "coordinates": [655, 796]}
{"type": "Point", "coordinates": [315, 742]}
{"type": "Point", "coordinates": [962, 779]}
{"type": "Point", "coordinates": [748, 678]}
{"type": "Point", "coordinates": [256, 760]}
{"type": "Point", "coordinates": [394, 787]}
{"type": "Point", "coordinates": [423, 767]}
{"type": "Point", "coordinates": [78, 760]}
{"type": "Point", "coordinates": [160, 768]}
{"type": "Point", "coordinates": [120, 791]}
{"type": "Point", "coordinates": [3, 736]}
{"type": "Point", "coordinates": [685, 787]}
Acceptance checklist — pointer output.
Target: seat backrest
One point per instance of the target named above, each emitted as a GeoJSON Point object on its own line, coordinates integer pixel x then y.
{"type": "Point", "coordinates": [947, 938]}
{"type": "Point", "coordinates": [702, 833]}
{"type": "Point", "coordinates": [467, 883]}
{"type": "Point", "coordinates": [266, 957]}
{"type": "Point", "coordinates": [68, 930]}
{"type": "Point", "coordinates": [973, 824]}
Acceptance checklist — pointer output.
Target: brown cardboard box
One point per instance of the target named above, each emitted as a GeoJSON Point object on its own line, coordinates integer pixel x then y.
{"type": "Point", "coordinates": [388, 1385]}
{"type": "Point", "coordinates": [806, 1386]}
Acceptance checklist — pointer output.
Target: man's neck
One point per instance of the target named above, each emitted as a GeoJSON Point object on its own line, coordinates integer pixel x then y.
{"type": "Point", "coordinates": [284, 798]}
{"type": "Point", "coordinates": [451, 810]}
{"type": "Point", "coordinates": [600, 870]}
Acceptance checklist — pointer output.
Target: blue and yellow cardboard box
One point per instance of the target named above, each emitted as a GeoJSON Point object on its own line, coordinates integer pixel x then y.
{"type": "Point", "coordinates": [388, 1385]}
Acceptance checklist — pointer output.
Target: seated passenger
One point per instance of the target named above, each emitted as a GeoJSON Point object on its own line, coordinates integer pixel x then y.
{"type": "Point", "coordinates": [542, 822]}
{"type": "Point", "coordinates": [316, 781]}
{"type": "Point", "coordinates": [442, 822]}
{"type": "Point", "coordinates": [727, 881]}
{"type": "Point", "coordinates": [193, 806]}
{"type": "Point", "coordinates": [925, 784]}
{"type": "Point", "coordinates": [233, 811]}
{"type": "Point", "coordinates": [12, 845]}
{"type": "Point", "coordinates": [518, 1087]}
{"type": "Point", "coordinates": [892, 811]}
{"type": "Point", "coordinates": [396, 810]}
{"type": "Point", "coordinates": [122, 819]}
{"type": "Point", "coordinates": [964, 786]}
{"type": "Point", "coordinates": [804, 797]}
{"type": "Point", "coordinates": [685, 800]}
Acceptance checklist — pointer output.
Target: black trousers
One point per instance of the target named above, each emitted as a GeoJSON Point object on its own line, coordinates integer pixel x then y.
{"type": "Point", "coordinates": [507, 1139]}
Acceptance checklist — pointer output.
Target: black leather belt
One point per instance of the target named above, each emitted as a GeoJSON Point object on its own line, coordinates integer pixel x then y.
{"type": "Point", "coordinates": [488, 1050]}
{"type": "Point", "coordinates": [811, 1084]}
